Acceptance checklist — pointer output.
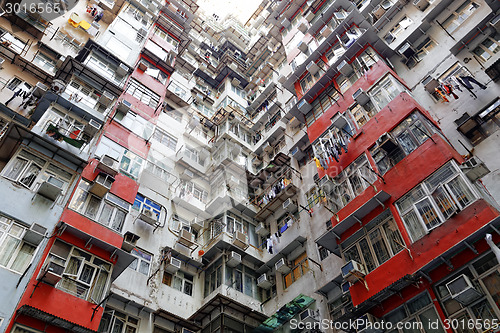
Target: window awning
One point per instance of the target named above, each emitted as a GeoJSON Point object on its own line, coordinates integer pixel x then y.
{"type": "Point", "coordinates": [53, 319]}
{"type": "Point", "coordinates": [123, 258]}
{"type": "Point", "coordinates": [356, 216]}
{"type": "Point", "coordinates": [329, 240]}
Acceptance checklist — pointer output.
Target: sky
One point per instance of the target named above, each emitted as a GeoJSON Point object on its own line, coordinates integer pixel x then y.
{"type": "Point", "coordinates": [242, 9]}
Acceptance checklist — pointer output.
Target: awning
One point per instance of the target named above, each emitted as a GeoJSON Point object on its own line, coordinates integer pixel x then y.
{"type": "Point", "coordinates": [123, 259]}
{"type": "Point", "coordinates": [283, 253]}
{"type": "Point", "coordinates": [52, 319]}
{"type": "Point", "coordinates": [230, 305]}
{"type": "Point", "coordinates": [356, 216]}
{"type": "Point", "coordinates": [178, 321]}
{"type": "Point", "coordinates": [329, 240]}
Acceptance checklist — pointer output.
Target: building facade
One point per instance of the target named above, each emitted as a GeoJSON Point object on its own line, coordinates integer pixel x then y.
{"type": "Point", "coordinates": [166, 169]}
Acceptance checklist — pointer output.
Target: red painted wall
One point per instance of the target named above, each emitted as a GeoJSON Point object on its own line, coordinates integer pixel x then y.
{"type": "Point", "coordinates": [125, 138]}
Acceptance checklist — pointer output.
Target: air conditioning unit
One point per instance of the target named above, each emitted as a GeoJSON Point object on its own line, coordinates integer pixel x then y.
{"type": "Point", "coordinates": [234, 259]}
{"type": "Point", "coordinates": [290, 206]}
{"type": "Point", "coordinates": [282, 266]}
{"type": "Point", "coordinates": [304, 106]}
{"type": "Point", "coordinates": [149, 216]}
{"type": "Point", "coordinates": [326, 184]}
{"type": "Point", "coordinates": [495, 23]}
{"type": "Point", "coordinates": [185, 238]}
{"type": "Point", "coordinates": [2, 60]}
{"type": "Point", "coordinates": [39, 89]}
{"type": "Point", "coordinates": [352, 271]}
{"type": "Point", "coordinates": [345, 68]}
{"type": "Point", "coordinates": [386, 142]}
{"type": "Point", "coordinates": [361, 97]}
{"type": "Point", "coordinates": [51, 188]}
{"type": "Point", "coordinates": [35, 234]}
{"type": "Point", "coordinates": [421, 4]}
{"type": "Point", "coordinates": [474, 169]}
{"type": "Point", "coordinates": [310, 16]}
{"type": "Point", "coordinates": [303, 27]}
{"type": "Point", "coordinates": [51, 272]}
{"type": "Point", "coordinates": [173, 265]}
{"type": "Point", "coordinates": [309, 318]}
{"type": "Point", "coordinates": [187, 174]}
{"type": "Point", "coordinates": [261, 229]}
{"type": "Point", "coordinates": [345, 287]}
{"type": "Point", "coordinates": [109, 165]}
{"type": "Point", "coordinates": [122, 70]}
{"type": "Point", "coordinates": [285, 23]}
{"type": "Point", "coordinates": [312, 68]}
{"type": "Point", "coordinates": [142, 66]}
{"type": "Point", "coordinates": [264, 281]}
{"type": "Point", "coordinates": [92, 127]}
{"type": "Point", "coordinates": [240, 240]}
{"type": "Point", "coordinates": [235, 82]}
{"type": "Point", "coordinates": [256, 161]}
{"type": "Point", "coordinates": [102, 184]}
{"type": "Point", "coordinates": [462, 290]}
{"type": "Point", "coordinates": [294, 122]}
{"type": "Point", "coordinates": [106, 98]}
{"type": "Point", "coordinates": [389, 38]}
{"type": "Point", "coordinates": [282, 79]}
{"type": "Point", "coordinates": [60, 61]}
{"type": "Point", "coordinates": [302, 47]}
{"type": "Point", "coordinates": [406, 50]}
{"type": "Point", "coordinates": [129, 241]}
{"type": "Point", "coordinates": [58, 86]}
{"type": "Point", "coordinates": [377, 12]}
{"type": "Point", "coordinates": [124, 106]}
{"type": "Point", "coordinates": [325, 31]}
{"type": "Point", "coordinates": [340, 15]}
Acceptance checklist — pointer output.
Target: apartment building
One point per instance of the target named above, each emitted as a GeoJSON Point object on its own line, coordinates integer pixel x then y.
{"type": "Point", "coordinates": [180, 171]}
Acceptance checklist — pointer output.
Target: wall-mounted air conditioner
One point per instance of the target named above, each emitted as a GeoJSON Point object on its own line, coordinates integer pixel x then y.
{"type": "Point", "coordinates": [264, 281]}
{"type": "Point", "coordinates": [340, 16]}
{"type": "Point", "coordinates": [51, 272]}
{"type": "Point", "coordinates": [282, 266]}
{"type": "Point", "coordinates": [109, 165]}
{"type": "Point", "coordinates": [352, 271]}
{"type": "Point", "coordinates": [106, 98]}
{"type": "Point", "coordinates": [92, 127]}
{"type": "Point", "coordinates": [149, 216]}
{"type": "Point", "coordinates": [2, 60]}
{"type": "Point", "coordinates": [312, 68]}
{"type": "Point", "coordinates": [285, 23]}
{"type": "Point", "coordinates": [58, 86]}
{"type": "Point", "coordinates": [187, 174]}
{"type": "Point", "coordinates": [173, 265]}
{"type": "Point", "coordinates": [129, 241]}
{"type": "Point", "coordinates": [185, 238]}
{"type": "Point", "coordinates": [303, 27]}
{"type": "Point", "coordinates": [345, 68]}
{"type": "Point", "coordinates": [240, 240]}
{"type": "Point", "coordinates": [310, 16]}
{"type": "Point", "coordinates": [234, 259]}
{"type": "Point", "coordinates": [302, 47]}
{"type": "Point", "coordinates": [377, 12]}
{"type": "Point", "coordinates": [474, 168]}
{"type": "Point", "coordinates": [430, 84]}
{"type": "Point", "coordinates": [462, 290]}
{"type": "Point", "coordinates": [102, 184]}
{"type": "Point", "coordinates": [39, 89]}
{"type": "Point", "coordinates": [35, 234]}
{"type": "Point", "coordinates": [361, 97]}
{"type": "Point", "coordinates": [495, 23]}
{"type": "Point", "coordinates": [325, 31]}
{"type": "Point", "coordinates": [282, 79]}
{"type": "Point", "coordinates": [345, 287]}
{"type": "Point", "coordinates": [309, 317]}
{"type": "Point", "coordinates": [51, 188]}
{"type": "Point", "coordinates": [124, 106]}
{"type": "Point", "coordinates": [389, 38]}
{"type": "Point", "coordinates": [261, 229]}
{"type": "Point", "coordinates": [304, 106]}
{"type": "Point", "coordinates": [290, 206]}
{"type": "Point", "coordinates": [386, 142]}
{"type": "Point", "coordinates": [235, 82]}
{"type": "Point", "coordinates": [421, 4]}
{"type": "Point", "coordinates": [122, 69]}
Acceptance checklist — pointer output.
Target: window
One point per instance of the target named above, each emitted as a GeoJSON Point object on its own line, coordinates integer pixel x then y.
{"type": "Point", "coordinates": [165, 138]}
{"type": "Point", "coordinates": [452, 22]}
{"type": "Point", "coordinates": [14, 83]}
{"type": "Point", "coordinates": [109, 211]}
{"type": "Point", "coordinates": [136, 124]}
{"type": "Point", "coordinates": [401, 26]}
{"type": "Point", "coordinates": [29, 169]}
{"type": "Point", "coordinates": [82, 93]}
{"type": "Point", "coordinates": [421, 50]}
{"type": "Point", "coordinates": [323, 252]}
{"type": "Point", "coordinates": [482, 125]}
{"type": "Point", "coordinates": [321, 104]}
{"type": "Point", "coordinates": [213, 277]}
{"type": "Point", "coordinates": [180, 281]}
{"type": "Point", "coordinates": [166, 37]}
{"type": "Point", "coordinates": [15, 254]}
{"type": "Point", "coordinates": [104, 67]}
{"type": "Point", "coordinates": [142, 203]}
{"type": "Point", "coordinates": [308, 81]}
{"type": "Point", "coordinates": [419, 309]}
{"type": "Point", "coordinates": [142, 262]}
{"type": "Point", "coordinates": [314, 196]}
{"type": "Point", "coordinates": [385, 91]}
{"type": "Point", "coordinates": [380, 240]}
{"type": "Point", "coordinates": [362, 113]}
{"type": "Point", "coordinates": [85, 275]}
{"type": "Point", "coordinates": [114, 321]}
{"type": "Point", "coordinates": [243, 279]}
{"type": "Point", "coordinates": [131, 164]}
{"type": "Point", "coordinates": [435, 200]}
{"type": "Point", "coordinates": [488, 48]}
{"type": "Point", "coordinates": [189, 189]}
{"type": "Point", "coordinates": [45, 63]}
{"type": "Point", "coordinates": [142, 93]}
{"type": "Point", "coordinates": [300, 266]}
{"type": "Point", "coordinates": [175, 114]}
{"type": "Point", "coordinates": [352, 181]}
{"type": "Point", "coordinates": [401, 141]}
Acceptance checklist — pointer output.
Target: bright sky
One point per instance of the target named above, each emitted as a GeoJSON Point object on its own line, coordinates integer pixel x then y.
{"type": "Point", "coordinates": [242, 9]}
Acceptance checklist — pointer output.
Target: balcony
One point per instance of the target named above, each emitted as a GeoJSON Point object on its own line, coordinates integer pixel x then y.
{"type": "Point", "coordinates": [272, 198]}
{"type": "Point", "coordinates": [193, 159]}
{"type": "Point", "coordinates": [188, 200]}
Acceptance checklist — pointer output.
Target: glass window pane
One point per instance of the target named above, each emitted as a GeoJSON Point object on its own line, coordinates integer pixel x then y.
{"type": "Point", "coordinates": [428, 214]}
{"type": "Point", "coordinates": [379, 246]}
{"type": "Point", "coordinates": [461, 191]}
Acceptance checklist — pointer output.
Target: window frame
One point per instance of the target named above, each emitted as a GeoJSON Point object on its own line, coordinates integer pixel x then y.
{"type": "Point", "coordinates": [141, 256]}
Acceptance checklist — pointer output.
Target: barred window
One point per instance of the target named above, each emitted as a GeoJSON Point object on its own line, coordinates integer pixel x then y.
{"type": "Point", "coordinates": [144, 94]}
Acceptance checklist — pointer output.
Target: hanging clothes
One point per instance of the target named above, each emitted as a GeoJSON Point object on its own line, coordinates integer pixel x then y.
{"type": "Point", "coordinates": [467, 80]}
{"type": "Point", "coordinates": [449, 90]}
{"type": "Point", "coordinates": [465, 86]}
{"type": "Point", "coordinates": [318, 164]}
{"type": "Point", "coordinates": [323, 163]}
{"type": "Point", "coordinates": [441, 93]}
